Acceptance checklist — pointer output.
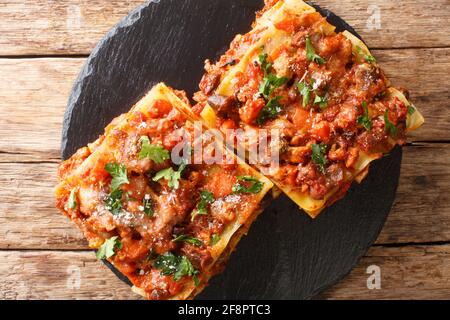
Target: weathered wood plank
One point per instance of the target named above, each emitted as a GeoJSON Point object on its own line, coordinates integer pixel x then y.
{"type": "Point", "coordinates": [58, 275]}
{"type": "Point", "coordinates": [33, 95]}
{"type": "Point", "coordinates": [74, 26]}
{"type": "Point", "coordinates": [426, 74]}
{"type": "Point", "coordinates": [406, 273]}
{"type": "Point", "coordinates": [28, 219]}
{"type": "Point", "coordinates": [27, 215]}
{"type": "Point", "coordinates": [421, 212]}
{"type": "Point", "coordinates": [42, 27]}
{"type": "Point", "coordinates": [43, 86]}
{"type": "Point", "coordinates": [406, 23]}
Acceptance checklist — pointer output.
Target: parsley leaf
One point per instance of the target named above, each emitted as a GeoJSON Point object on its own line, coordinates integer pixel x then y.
{"type": "Point", "coordinates": [368, 57]}
{"type": "Point", "coordinates": [184, 268]}
{"type": "Point", "coordinates": [389, 126]}
{"type": "Point", "coordinates": [254, 185]}
{"type": "Point", "coordinates": [411, 110]}
{"type": "Point", "coordinates": [305, 90]}
{"type": "Point", "coordinates": [72, 202]}
{"type": "Point", "coordinates": [113, 202]}
{"type": "Point", "coordinates": [270, 111]}
{"type": "Point", "coordinates": [118, 173]}
{"type": "Point", "coordinates": [167, 263]}
{"type": "Point", "coordinates": [322, 101]}
{"type": "Point", "coordinates": [319, 156]}
{"type": "Point", "coordinates": [154, 152]}
{"type": "Point", "coordinates": [148, 207]}
{"type": "Point", "coordinates": [311, 53]}
{"type": "Point", "coordinates": [109, 248]}
{"type": "Point", "coordinates": [173, 177]}
{"type": "Point", "coordinates": [177, 266]}
{"type": "Point", "coordinates": [265, 64]}
{"type": "Point", "coordinates": [214, 239]}
{"type": "Point", "coordinates": [365, 119]}
{"type": "Point", "coordinates": [270, 83]}
{"type": "Point", "coordinates": [191, 240]}
{"type": "Point", "coordinates": [206, 198]}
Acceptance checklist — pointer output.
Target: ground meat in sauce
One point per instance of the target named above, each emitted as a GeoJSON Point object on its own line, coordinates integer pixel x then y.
{"type": "Point", "coordinates": [144, 237]}
{"type": "Point", "coordinates": [346, 82]}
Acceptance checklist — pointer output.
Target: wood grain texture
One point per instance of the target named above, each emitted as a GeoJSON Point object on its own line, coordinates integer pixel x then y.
{"type": "Point", "coordinates": [58, 275]}
{"type": "Point", "coordinates": [44, 27]}
{"type": "Point", "coordinates": [41, 27]}
{"type": "Point", "coordinates": [43, 86]}
{"type": "Point", "coordinates": [406, 273]}
{"type": "Point", "coordinates": [421, 212]}
{"type": "Point", "coordinates": [413, 48]}
{"type": "Point", "coordinates": [32, 123]}
{"type": "Point", "coordinates": [28, 219]}
{"type": "Point", "coordinates": [406, 23]}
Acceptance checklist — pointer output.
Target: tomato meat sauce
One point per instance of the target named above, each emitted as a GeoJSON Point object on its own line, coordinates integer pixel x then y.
{"type": "Point", "coordinates": [328, 101]}
{"type": "Point", "coordinates": [158, 222]}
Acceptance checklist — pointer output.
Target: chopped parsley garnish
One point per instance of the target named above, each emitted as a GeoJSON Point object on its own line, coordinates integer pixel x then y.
{"type": "Point", "coordinates": [177, 266]}
{"type": "Point", "coordinates": [171, 176]}
{"type": "Point", "coordinates": [411, 110]}
{"type": "Point", "coordinates": [270, 111]}
{"type": "Point", "coordinates": [113, 202]}
{"type": "Point", "coordinates": [305, 90]}
{"type": "Point", "coordinates": [319, 156]}
{"type": "Point", "coordinates": [321, 101]}
{"type": "Point", "coordinates": [185, 268]}
{"type": "Point", "coordinates": [389, 127]}
{"type": "Point", "coordinates": [365, 119]}
{"type": "Point", "coordinates": [214, 239]}
{"type": "Point", "coordinates": [368, 57]}
{"type": "Point", "coordinates": [266, 66]}
{"type": "Point", "coordinates": [311, 53]}
{"type": "Point", "coordinates": [206, 198]}
{"type": "Point", "coordinates": [72, 203]}
{"type": "Point", "coordinates": [148, 207]}
{"type": "Point", "coordinates": [191, 240]}
{"type": "Point", "coordinates": [270, 81]}
{"type": "Point", "coordinates": [109, 248]}
{"type": "Point", "coordinates": [118, 173]}
{"type": "Point", "coordinates": [267, 87]}
{"type": "Point", "coordinates": [252, 185]}
{"type": "Point", "coordinates": [154, 152]}
{"type": "Point", "coordinates": [167, 263]}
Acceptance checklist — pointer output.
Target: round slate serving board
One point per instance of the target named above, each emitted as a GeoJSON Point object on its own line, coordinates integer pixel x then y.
{"type": "Point", "coordinates": [286, 254]}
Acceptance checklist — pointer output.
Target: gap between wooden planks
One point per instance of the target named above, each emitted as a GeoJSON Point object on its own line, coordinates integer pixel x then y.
{"type": "Point", "coordinates": [413, 272]}
{"type": "Point", "coordinates": [28, 219]}
{"type": "Point", "coordinates": [34, 93]}
{"type": "Point", "coordinates": [48, 27]}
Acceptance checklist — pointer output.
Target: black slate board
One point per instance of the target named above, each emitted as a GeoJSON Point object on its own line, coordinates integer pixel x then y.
{"type": "Point", "coordinates": [286, 254]}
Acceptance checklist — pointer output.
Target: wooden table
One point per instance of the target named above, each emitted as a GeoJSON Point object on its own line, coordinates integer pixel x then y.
{"type": "Point", "coordinates": [44, 43]}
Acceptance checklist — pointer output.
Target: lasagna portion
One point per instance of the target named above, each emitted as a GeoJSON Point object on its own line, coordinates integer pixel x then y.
{"type": "Point", "coordinates": [323, 94]}
{"type": "Point", "coordinates": [162, 215]}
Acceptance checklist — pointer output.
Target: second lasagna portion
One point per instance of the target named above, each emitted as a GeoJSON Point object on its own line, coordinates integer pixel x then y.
{"type": "Point", "coordinates": [161, 222]}
{"type": "Point", "coordinates": [323, 91]}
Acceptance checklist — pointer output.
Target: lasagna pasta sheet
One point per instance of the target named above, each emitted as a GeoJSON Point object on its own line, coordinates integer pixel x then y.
{"type": "Point", "coordinates": [162, 224]}
{"type": "Point", "coordinates": [167, 206]}
{"type": "Point", "coordinates": [340, 87]}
